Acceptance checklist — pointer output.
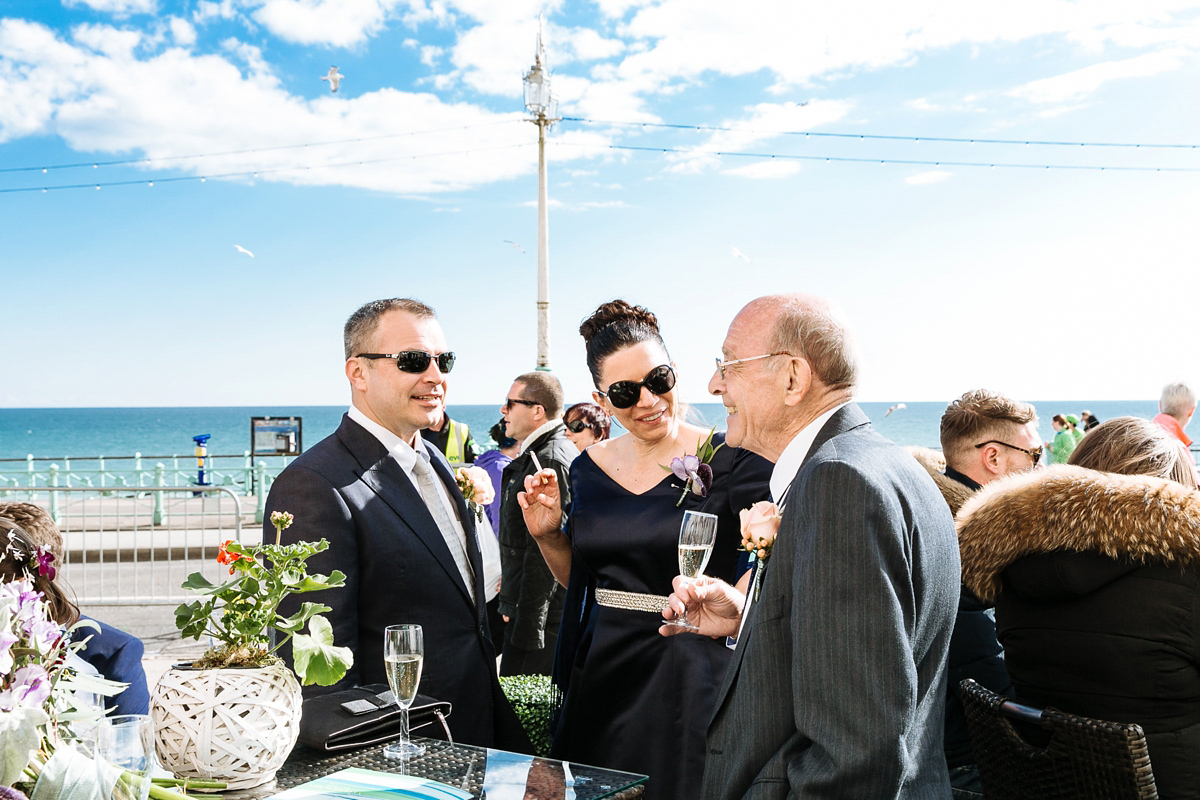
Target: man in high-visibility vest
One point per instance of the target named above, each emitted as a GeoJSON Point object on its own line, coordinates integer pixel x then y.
{"type": "Point", "coordinates": [453, 439]}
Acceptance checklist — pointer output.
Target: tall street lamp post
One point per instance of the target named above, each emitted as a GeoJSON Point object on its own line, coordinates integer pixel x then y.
{"type": "Point", "coordinates": [544, 107]}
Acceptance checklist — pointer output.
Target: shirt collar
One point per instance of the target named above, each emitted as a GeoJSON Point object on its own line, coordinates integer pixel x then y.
{"type": "Point", "coordinates": [965, 480]}
{"type": "Point", "coordinates": [540, 432]}
{"type": "Point", "coordinates": [792, 457]}
{"type": "Point", "coordinates": [399, 449]}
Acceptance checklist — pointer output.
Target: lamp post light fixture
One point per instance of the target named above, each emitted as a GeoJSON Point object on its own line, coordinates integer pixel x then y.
{"type": "Point", "coordinates": [540, 102]}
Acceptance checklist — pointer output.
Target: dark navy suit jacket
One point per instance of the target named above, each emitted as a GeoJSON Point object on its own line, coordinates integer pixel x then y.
{"type": "Point", "coordinates": [349, 490]}
{"type": "Point", "coordinates": [117, 655]}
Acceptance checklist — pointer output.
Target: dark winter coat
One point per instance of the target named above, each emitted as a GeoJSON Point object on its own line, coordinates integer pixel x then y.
{"type": "Point", "coordinates": [529, 595]}
{"type": "Point", "coordinates": [1096, 580]}
{"type": "Point", "coordinates": [974, 651]}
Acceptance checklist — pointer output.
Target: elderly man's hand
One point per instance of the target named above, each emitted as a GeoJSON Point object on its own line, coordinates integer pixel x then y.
{"type": "Point", "coordinates": [712, 605]}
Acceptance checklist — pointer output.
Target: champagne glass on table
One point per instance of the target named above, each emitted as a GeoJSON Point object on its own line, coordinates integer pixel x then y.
{"type": "Point", "coordinates": [403, 656]}
{"type": "Point", "coordinates": [696, 537]}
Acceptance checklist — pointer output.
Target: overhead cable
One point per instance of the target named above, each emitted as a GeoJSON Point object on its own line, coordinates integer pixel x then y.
{"type": "Point", "coordinates": [910, 162]}
{"type": "Point", "coordinates": [128, 161]}
{"type": "Point", "coordinates": [256, 172]}
{"type": "Point", "coordinates": [880, 136]}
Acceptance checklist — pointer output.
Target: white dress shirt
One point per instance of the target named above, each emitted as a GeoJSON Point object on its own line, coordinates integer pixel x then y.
{"type": "Point", "coordinates": [789, 463]}
{"type": "Point", "coordinates": [407, 457]}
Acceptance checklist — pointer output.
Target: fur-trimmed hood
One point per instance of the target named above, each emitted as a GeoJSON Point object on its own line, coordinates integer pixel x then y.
{"type": "Point", "coordinates": [934, 463]}
{"type": "Point", "coordinates": [1136, 519]}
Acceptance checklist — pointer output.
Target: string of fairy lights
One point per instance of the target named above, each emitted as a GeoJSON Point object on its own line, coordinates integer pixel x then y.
{"type": "Point", "coordinates": [201, 176]}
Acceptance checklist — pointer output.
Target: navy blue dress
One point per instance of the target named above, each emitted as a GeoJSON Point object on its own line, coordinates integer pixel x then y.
{"type": "Point", "coordinates": [635, 700]}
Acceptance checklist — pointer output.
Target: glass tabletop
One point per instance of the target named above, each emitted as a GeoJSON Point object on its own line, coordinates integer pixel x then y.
{"type": "Point", "coordinates": [481, 772]}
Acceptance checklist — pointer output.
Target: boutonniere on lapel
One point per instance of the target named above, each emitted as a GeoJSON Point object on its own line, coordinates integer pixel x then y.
{"type": "Point", "coordinates": [476, 487]}
{"type": "Point", "coordinates": [694, 471]}
{"type": "Point", "coordinates": [760, 525]}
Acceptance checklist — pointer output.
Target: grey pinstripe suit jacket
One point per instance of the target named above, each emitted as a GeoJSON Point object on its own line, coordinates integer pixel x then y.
{"type": "Point", "coordinates": [837, 686]}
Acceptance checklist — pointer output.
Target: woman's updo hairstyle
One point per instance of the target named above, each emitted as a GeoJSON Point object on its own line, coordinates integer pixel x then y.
{"type": "Point", "coordinates": [615, 326]}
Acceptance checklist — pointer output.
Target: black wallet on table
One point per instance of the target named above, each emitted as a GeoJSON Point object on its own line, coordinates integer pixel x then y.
{"type": "Point", "coordinates": [367, 715]}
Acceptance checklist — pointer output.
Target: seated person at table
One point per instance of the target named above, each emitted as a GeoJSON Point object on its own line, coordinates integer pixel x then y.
{"type": "Point", "coordinates": [113, 653]}
{"type": "Point", "coordinates": [1096, 578]}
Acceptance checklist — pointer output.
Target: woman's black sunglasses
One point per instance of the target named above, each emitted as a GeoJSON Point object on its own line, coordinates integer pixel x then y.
{"type": "Point", "coordinates": [577, 426]}
{"type": "Point", "coordinates": [416, 360]}
{"type": "Point", "coordinates": [624, 394]}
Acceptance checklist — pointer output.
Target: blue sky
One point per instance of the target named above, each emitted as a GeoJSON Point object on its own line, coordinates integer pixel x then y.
{"type": "Point", "coordinates": [1038, 282]}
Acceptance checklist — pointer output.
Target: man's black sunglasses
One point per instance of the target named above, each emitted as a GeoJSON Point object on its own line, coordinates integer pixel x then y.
{"type": "Point", "coordinates": [509, 402]}
{"type": "Point", "coordinates": [415, 360]}
{"type": "Point", "coordinates": [577, 426]}
{"type": "Point", "coordinates": [1035, 453]}
{"type": "Point", "coordinates": [624, 394]}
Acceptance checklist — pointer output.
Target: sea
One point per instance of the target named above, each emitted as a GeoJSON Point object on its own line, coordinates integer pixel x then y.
{"type": "Point", "coordinates": [54, 434]}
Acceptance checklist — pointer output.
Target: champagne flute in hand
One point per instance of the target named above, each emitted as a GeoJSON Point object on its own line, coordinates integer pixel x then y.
{"type": "Point", "coordinates": [403, 656]}
{"type": "Point", "coordinates": [696, 537]}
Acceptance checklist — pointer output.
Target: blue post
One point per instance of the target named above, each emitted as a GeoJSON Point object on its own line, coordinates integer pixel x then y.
{"type": "Point", "coordinates": [137, 467]}
{"type": "Point", "coordinates": [54, 495]}
{"type": "Point", "coordinates": [160, 481]}
{"type": "Point", "coordinates": [32, 477]}
{"type": "Point", "coordinates": [260, 509]}
{"type": "Point", "coordinates": [67, 469]}
{"type": "Point", "coordinates": [248, 488]}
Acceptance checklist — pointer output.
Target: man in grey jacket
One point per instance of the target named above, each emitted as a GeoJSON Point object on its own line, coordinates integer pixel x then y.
{"type": "Point", "coordinates": [530, 599]}
{"type": "Point", "coordinates": [837, 685]}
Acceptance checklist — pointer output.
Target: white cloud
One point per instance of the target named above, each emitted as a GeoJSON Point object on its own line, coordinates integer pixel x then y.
{"type": "Point", "coordinates": [119, 7]}
{"type": "Point", "coordinates": [207, 10]}
{"type": "Point", "coordinates": [932, 176]}
{"type": "Point", "coordinates": [765, 122]}
{"type": "Point", "coordinates": [338, 23]}
{"type": "Point", "coordinates": [182, 31]}
{"type": "Point", "coordinates": [99, 98]}
{"type": "Point", "coordinates": [761, 170]}
{"type": "Point", "coordinates": [1081, 82]}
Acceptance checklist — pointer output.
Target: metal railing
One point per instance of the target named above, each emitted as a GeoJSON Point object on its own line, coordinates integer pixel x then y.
{"type": "Point", "coordinates": [236, 472]}
{"type": "Point", "coordinates": [137, 547]}
{"type": "Point", "coordinates": [37, 484]}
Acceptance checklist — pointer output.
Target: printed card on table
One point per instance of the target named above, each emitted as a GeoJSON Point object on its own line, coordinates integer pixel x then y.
{"type": "Point", "coordinates": [355, 783]}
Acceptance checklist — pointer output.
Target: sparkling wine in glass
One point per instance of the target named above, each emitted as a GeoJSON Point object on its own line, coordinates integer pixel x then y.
{"type": "Point", "coordinates": [696, 537]}
{"type": "Point", "coordinates": [403, 657]}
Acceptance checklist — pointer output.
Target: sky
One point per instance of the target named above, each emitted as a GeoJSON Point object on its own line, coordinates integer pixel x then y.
{"type": "Point", "coordinates": [711, 152]}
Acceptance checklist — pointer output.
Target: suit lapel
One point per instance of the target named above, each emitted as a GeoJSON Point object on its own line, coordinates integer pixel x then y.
{"type": "Point", "coordinates": [844, 419]}
{"type": "Point", "coordinates": [384, 476]}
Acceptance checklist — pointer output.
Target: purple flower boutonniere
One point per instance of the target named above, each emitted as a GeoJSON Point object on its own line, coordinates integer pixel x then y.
{"type": "Point", "coordinates": [695, 471]}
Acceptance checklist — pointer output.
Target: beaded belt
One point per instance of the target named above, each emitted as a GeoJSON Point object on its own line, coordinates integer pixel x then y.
{"type": "Point", "coordinates": [631, 601]}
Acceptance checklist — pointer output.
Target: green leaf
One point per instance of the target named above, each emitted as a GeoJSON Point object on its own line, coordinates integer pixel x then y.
{"type": "Point", "coordinates": [198, 583]}
{"type": "Point", "coordinates": [316, 659]}
{"type": "Point", "coordinates": [295, 623]}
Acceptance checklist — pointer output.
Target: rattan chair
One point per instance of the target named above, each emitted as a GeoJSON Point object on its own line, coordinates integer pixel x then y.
{"type": "Point", "coordinates": [1025, 753]}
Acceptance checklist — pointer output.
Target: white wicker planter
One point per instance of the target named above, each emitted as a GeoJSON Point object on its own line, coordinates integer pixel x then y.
{"type": "Point", "coordinates": [233, 725]}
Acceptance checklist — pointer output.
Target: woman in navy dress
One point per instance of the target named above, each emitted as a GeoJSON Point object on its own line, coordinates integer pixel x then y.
{"type": "Point", "coordinates": [635, 700]}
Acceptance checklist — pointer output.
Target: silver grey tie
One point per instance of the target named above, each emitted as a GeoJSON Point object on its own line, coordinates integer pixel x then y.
{"type": "Point", "coordinates": [425, 476]}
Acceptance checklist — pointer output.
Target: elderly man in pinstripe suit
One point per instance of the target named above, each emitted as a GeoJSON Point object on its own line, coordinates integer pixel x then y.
{"type": "Point", "coordinates": [837, 685]}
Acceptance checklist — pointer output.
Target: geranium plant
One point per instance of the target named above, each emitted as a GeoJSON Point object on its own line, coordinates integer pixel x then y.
{"type": "Point", "coordinates": [241, 613]}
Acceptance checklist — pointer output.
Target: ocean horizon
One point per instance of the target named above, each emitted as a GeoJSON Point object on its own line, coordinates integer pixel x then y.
{"type": "Point", "coordinates": [50, 434]}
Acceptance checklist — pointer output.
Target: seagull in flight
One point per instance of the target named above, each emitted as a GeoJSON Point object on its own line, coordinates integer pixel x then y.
{"type": "Point", "coordinates": [241, 249]}
{"type": "Point", "coordinates": [739, 254]}
{"type": "Point", "coordinates": [334, 78]}
{"type": "Point", "coordinates": [514, 244]}
{"type": "Point", "coordinates": [896, 407]}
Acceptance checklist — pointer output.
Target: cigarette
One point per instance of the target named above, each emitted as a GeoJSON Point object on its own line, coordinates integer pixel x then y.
{"type": "Point", "coordinates": [537, 465]}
